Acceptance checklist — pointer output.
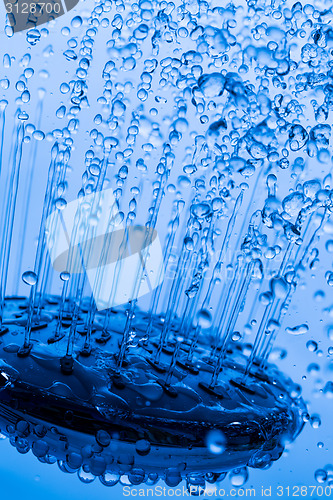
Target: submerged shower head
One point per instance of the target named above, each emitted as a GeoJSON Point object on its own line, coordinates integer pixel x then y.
{"type": "Point", "coordinates": [149, 415]}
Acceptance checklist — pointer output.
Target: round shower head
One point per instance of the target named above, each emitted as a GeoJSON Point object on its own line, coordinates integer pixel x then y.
{"type": "Point", "coordinates": [149, 415]}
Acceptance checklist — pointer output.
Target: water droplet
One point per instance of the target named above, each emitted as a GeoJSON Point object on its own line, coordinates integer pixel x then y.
{"type": "Point", "coordinates": [215, 441]}
{"type": "Point", "coordinates": [329, 278]}
{"type": "Point", "coordinates": [103, 438]}
{"type": "Point", "coordinates": [109, 478]}
{"type": "Point", "coordinates": [204, 318]}
{"type": "Point", "coordinates": [315, 421]}
{"type": "Point", "coordinates": [238, 477]}
{"type": "Point", "coordinates": [142, 447]}
{"type": "Point", "coordinates": [30, 278]}
{"type": "Point", "coordinates": [85, 475]}
{"type": "Point", "coordinates": [298, 330]}
{"type": "Point", "coordinates": [76, 22]}
{"type": "Point", "coordinates": [136, 476]}
{"type": "Point", "coordinates": [211, 85]}
{"type": "Point", "coordinates": [320, 476]}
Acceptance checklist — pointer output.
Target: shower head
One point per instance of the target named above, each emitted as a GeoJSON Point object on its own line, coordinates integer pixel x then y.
{"type": "Point", "coordinates": [143, 418]}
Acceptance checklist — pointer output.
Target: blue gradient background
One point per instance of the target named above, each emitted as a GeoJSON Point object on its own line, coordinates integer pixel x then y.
{"type": "Point", "coordinates": [22, 476]}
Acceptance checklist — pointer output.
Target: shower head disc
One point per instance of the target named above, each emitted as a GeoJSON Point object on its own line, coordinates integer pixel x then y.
{"type": "Point", "coordinates": [160, 416]}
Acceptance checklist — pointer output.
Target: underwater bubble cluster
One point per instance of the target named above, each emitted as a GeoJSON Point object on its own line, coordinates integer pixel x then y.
{"type": "Point", "coordinates": [212, 126]}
